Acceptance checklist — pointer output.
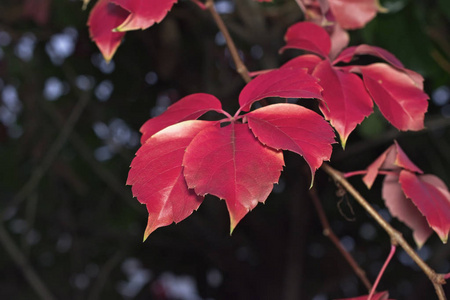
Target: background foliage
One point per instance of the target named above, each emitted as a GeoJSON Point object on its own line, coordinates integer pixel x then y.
{"type": "Point", "coordinates": [77, 223]}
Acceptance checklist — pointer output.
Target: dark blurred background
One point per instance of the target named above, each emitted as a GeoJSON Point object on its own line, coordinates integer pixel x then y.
{"type": "Point", "coordinates": [69, 128]}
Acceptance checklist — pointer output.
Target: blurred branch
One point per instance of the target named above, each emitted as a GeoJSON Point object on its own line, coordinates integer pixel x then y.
{"type": "Point", "coordinates": [56, 147]}
{"type": "Point", "coordinates": [103, 276]}
{"type": "Point", "coordinates": [396, 237]}
{"type": "Point", "coordinates": [328, 232]}
{"type": "Point", "coordinates": [86, 153]}
{"type": "Point", "coordinates": [19, 258]}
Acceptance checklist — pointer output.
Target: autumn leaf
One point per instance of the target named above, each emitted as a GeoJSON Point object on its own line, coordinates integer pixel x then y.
{"type": "Point", "coordinates": [307, 36]}
{"type": "Point", "coordinates": [400, 101]}
{"type": "Point", "coordinates": [143, 14]}
{"type": "Point", "coordinates": [346, 100]}
{"type": "Point", "coordinates": [394, 159]}
{"type": "Point", "coordinates": [351, 14]}
{"type": "Point", "coordinates": [156, 175]}
{"type": "Point", "coordinates": [294, 128]}
{"type": "Point", "coordinates": [404, 210]}
{"type": "Point", "coordinates": [190, 107]}
{"type": "Point", "coordinates": [230, 163]}
{"type": "Point", "coordinates": [432, 198]}
{"type": "Point", "coordinates": [104, 17]}
{"type": "Point", "coordinates": [284, 83]}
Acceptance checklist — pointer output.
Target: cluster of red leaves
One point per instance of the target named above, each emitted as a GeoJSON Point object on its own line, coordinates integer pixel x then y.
{"type": "Point", "coordinates": [397, 91]}
{"type": "Point", "coordinates": [182, 160]}
{"type": "Point", "coordinates": [110, 19]}
{"type": "Point", "coordinates": [237, 159]}
{"type": "Point", "coordinates": [421, 201]}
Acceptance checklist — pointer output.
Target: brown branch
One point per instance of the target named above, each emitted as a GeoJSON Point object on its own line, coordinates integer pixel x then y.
{"type": "Point", "coordinates": [19, 258]}
{"type": "Point", "coordinates": [328, 232]}
{"type": "Point", "coordinates": [396, 237]}
{"type": "Point", "coordinates": [240, 66]}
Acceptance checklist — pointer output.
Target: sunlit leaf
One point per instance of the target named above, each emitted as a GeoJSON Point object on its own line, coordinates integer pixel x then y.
{"type": "Point", "coordinates": [294, 128]}
{"type": "Point", "coordinates": [188, 108]}
{"type": "Point", "coordinates": [284, 83]}
{"type": "Point", "coordinates": [156, 175]}
{"type": "Point", "coordinates": [346, 100]}
{"type": "Point", "coordinates": [230, 163]}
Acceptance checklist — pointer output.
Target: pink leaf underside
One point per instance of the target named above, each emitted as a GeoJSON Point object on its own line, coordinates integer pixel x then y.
{"type": "Point", "coordinates": [143, 13]}
{"type": "Point", "coordinates": [349, 53]}
{"type": "Point", "coordinates": [188, 108]}
{"type": "Point", "coordinates": [308, 36]}
{"type": "Point", "coordinates": [104, 17]}
{"type": "Point", "coordinates": [346, 100]}
{"type": "Point", "coordinates": [377, 296]}
{"type": "Point", "coordinates": [284, 83]}
{"type": "Point", "coordinates": [353, 14]}
{"type": "Point", "coordinates": [156, 175]}
{"type": "Point", "coordinates": [294, 128]}
{"type": "Point", "coordinates": [230, 163]}
{"type": "Point", "coordinates": [403, 209]}
{"type": "Point", "coordinates": [400, 101]}
{"type": "Point", "coordinates": [339, 40]}
{"type": "Point", "coordinates": [306, 61]}
{"type": "Point", "coordinates": [432, 198]}
{"type": "Point", "coordinates": [394, 158]}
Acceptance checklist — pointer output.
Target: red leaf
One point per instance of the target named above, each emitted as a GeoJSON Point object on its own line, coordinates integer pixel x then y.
{"type": "Point", "coordinates": [351, 14]}
{"type": "Point", "coordinates": [285, 83]}
{"type": "Point", "coordinates": [400, 101]}
{"type": "Point", "coordinates": [188, 108]}
{"type": "Point", "coordinates": [156, 175]}
{"type": "Point", "coordinates": [377, 296]}
{"type": "Point", "coordinates": [143, 14]}
{"type": "Point", "coordinates": [403, 209]}
{"type": "Point", "coordinates": [294, 128]}
{"type": "Point", "coordinates": [307, 61]}
{"type": "Point", "coordinates": [104, 17]}
{"type": "Point", "coordinates": [346, 100]}
{"type": "Point", "coordinates": [394, 158]}
{"type": "Point", "coordinates": [348, 53]}
{"type": "Point", "coordinates": [230, 163]}
{"type": "Point", "coordinates": [308, 36]}
{"type": "Point", "coordinates": [432, 198]}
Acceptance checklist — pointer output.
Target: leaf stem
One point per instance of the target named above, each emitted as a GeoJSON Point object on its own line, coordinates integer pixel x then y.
{"type": "Point", "coordinates": [388, 259]}
{"type": "Point", "coordinates": [396, 237]}
{"type": "Point", "coordinates": [364, 172]}
{"type": "Point", "coordinates": [328, 232]}
{"type": "Point", "coordinates": [240, 66]}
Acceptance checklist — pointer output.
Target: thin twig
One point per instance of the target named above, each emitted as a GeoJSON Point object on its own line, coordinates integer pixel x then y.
{"type": "Point", "coordinates": [19, 258]}
{"type": "Point", "coordinates": [328, 232]}
{"type": "Point", "coordinates": [380, 274]}
{"type": "Point", "coordinates": [56, 147]}
{"type": "Point", "coordinates": [396, 237]}
{"type": "Point", "coordinates": [240, 66]}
